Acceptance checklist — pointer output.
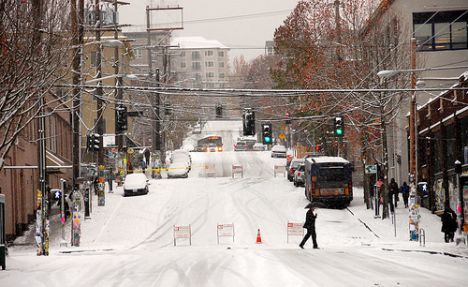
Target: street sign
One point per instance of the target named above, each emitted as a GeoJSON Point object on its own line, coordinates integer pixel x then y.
{"type": "Point", "coordinates": [130, 150]}
{"type": "Point", "coordinates": [371, 169]}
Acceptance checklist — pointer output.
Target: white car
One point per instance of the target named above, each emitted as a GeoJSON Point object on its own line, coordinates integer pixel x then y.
{"type": "Point", "coordinates": [181, 156]}
{"type": "Point", "coordinates": [135, 183]}
{"type": "Point", "coordinates": [278, 151]}
{"type": "Point", "coordinates": [178, 169]}
{"type": "Point", "coordinates": [258, 147]}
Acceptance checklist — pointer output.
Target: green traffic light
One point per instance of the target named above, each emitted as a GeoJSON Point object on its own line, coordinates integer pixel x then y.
{"type": "Point", "coordinates": [267, 139]}
{"type": "Point", "coordinates": [339, 132]}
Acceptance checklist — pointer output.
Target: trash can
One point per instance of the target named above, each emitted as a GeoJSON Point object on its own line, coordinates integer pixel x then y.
{"type": "Point", "coordinates": [2, 232]}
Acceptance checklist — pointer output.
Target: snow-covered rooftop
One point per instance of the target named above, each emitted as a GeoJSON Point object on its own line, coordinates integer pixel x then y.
{"type": "Point", "coordinates": [196, 43]}
{"type": "Point", "coordinates": [322, 159]}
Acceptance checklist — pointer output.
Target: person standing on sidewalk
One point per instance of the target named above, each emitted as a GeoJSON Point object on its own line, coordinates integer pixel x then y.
{"type": "Point", "coordinates": [449, 224]}
{"type": "Point", "coordinates": [310, 226]}
{"type": "Point", "coordinates": [393, 194]}
{"type": "Point", "coordinates": [404, 189]}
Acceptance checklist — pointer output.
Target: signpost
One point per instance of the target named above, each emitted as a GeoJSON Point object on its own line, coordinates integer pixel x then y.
{"type": "Point", "coordinates": [295, 229]}
{"type": "Point", "coordinates": [182, 232]}
{"type": "Point", "coordinates": [371, 169]}
{"type": "Point", "coordinates": [225, 230]}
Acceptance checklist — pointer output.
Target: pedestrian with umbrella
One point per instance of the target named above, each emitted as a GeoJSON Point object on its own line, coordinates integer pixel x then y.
{"type": "Point", "coordinates": [310, 226]}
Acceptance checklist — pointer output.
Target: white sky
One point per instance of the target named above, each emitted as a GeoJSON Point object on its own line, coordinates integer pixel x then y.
{"type": "Point", "coordinates": [129, 241]}
{"type": "Point", "coordinates": [238, 33]}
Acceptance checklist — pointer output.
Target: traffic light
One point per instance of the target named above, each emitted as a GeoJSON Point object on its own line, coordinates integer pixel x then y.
{"type": "Point", "coordinates": [249, 123]}
{"type": "Point", "coordinates": [267, 134]}
{"type": "Point", "coordinates": [219, 111]}
{"type": "Point", "coordinates": [318, 148]}
{"type": "Point", "coordinates": [121, 120]}
{"type": "Point", "coordinates": [94, 142]}
{"type": "Point", "coordinates": [339, 126]}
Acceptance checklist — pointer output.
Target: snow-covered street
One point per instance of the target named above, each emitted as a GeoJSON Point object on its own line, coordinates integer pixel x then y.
{"type": "Point", "coordinates": [129, 242]}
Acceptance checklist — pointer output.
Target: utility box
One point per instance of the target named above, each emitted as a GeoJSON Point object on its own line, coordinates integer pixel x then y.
{"type": "Point", "coordinates": [2, 233]}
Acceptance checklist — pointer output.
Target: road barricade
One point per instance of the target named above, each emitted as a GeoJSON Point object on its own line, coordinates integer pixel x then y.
{"type": "Point", "coordinates": [182, 232]}
{"type": "Point", "coordinates": [295, 229]}
{"type": "Point", "coordinates": [237, 168]}
{"type": "Point", "coordinates": [279, 169]}
{"type": "Point", "coordinates": [225, 230]}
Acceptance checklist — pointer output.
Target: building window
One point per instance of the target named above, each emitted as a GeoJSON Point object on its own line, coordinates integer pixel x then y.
{"type": "Point", "coordinates": [183, 65]}
{"type": "Point", "coordinates": [138, 53]}
{"type": "Point", "coordinates": [441, 31]}
{"type": "Point", "coordinates": [195, 55]}
{"type": "Point", "coordinates": [209, 64]}
{"type": "Point", "coordinates": [221, 75]}
{"type": "Point", "coordinates": [221, 54]}
{"type": "Point", "coordinates": [196, 66]}
{"type": "Point", "coordinates": [210, 75]}
{"type": "Point", "coordinates": [182, 54]}
{"type": "Point", "coordinates": [221, 64]}
{"type": "Point", "coordinates": [208, 53]}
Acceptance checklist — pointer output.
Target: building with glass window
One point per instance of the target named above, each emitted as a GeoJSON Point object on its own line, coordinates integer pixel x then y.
{"type": "Point", "coordinates": [440, 30]}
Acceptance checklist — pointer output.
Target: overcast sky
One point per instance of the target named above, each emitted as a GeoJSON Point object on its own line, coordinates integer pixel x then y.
{"type": "Point", "coordinates": [237, 28]}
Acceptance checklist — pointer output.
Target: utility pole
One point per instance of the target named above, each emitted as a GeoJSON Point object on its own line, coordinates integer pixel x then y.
{"type": "Point", "coordinates": [412, 120]}
{"type": "Point", "coordinates": [77, 18]}
{"type": "Point", "coordinates": [119, 138]}
{"type": "Point", "coordinates": [156, 131]}
{"type": "Point", "coordinates": [42, 196]}
{"type": "Point", "coordinates": [338, 29]}
{"type": "Point", "coordinates": [99, 105]}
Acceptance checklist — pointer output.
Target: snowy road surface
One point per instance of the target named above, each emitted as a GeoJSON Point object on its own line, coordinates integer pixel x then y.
{"type": "Point", "coordinates": [129, 242]}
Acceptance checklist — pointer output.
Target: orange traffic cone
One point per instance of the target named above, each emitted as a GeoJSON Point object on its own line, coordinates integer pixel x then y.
{"type": "Point", "coordinates": [259, 237]}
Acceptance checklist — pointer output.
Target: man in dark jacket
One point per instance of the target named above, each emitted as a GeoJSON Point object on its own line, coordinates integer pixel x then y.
{"type": "Point", "coordinates": [310, 226]}
{"type": "Point", "coordinates": [449, 224]}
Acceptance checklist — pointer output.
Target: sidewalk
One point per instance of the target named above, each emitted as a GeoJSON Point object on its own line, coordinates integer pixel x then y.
{"type": "Point", "coordinates": [384, 230]}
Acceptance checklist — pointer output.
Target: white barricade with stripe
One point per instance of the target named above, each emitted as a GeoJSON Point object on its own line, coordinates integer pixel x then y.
{"type": "Point", "coordinates": [279, 169]}
{"type": "Point", "coordinates": [210, 169]}
{"type": "Point", "coordinates": [237, 168]}
{"type": "Point", "coordinates": [225, 230]}
{"type": "Point", "coordinates": [295, 229]}
{"type": "Point", "coordinates": [182, 232]}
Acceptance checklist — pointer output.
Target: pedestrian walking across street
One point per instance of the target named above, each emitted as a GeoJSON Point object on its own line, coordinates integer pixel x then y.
{"type": "Point", "coordinates": [310, 226]}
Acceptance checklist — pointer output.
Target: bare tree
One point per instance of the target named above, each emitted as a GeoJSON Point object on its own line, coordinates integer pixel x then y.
{"type": "Point", "coordinates": [29, 71]}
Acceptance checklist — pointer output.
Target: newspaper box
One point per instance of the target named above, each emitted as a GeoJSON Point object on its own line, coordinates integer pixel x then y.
{"type": "Point", "coordinates": [182, 232]}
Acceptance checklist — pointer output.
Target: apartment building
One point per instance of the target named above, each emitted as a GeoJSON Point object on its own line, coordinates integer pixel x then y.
{"type": "Point", "coordinates": [199, 63]}
{"type": "Point", "coordinates": [440, 28]}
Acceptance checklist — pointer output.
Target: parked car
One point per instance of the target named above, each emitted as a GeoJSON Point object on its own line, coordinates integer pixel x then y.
{"type": "Point", "coordinates": [178, 169]}
{"type": "Point", "coordinates": [299, 175]}
{"type": "Point", "coordinates": [240, 146]}
{"type": "Point", "coordinates": [258, 147]}
{"type": "Point", "coordinates": [278, 151]}
{"type": "Point", "coordinates": [295, 163]}
{"type": "Point", "coordinates": [136, 183]}
{"type": "Point", "coordinates": [180, 155]}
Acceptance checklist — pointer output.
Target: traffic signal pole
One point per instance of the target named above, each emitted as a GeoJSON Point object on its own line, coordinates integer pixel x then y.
{"type": "Point", "coordinates": [99, 106]}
